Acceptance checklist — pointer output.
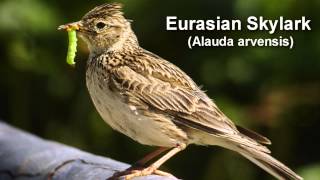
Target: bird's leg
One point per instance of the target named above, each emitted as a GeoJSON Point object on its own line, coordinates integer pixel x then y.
{"type": "Point", "coordinates": [139, 165]}
{"type": "Point", "coordinates": [154, 166]}
{"type": "Point", "coordinates": [149, 156]}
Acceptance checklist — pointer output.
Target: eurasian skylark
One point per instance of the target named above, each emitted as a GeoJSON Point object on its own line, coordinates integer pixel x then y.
{"type": "Point", "coordinates": [154, 102]}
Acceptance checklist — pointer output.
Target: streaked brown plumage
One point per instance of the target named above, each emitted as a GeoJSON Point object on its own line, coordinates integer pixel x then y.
{"type": "Point", "coordinates": [154, 102]}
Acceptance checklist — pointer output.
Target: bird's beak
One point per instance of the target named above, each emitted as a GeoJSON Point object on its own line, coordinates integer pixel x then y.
{"type": "Point", "coordinates": [71, 26]}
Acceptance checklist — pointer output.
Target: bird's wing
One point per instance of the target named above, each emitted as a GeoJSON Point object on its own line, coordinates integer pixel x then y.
{"type": "Point", "coordinates": [149, 64]}
{"type": "Point", "coordinates": [166, 89]}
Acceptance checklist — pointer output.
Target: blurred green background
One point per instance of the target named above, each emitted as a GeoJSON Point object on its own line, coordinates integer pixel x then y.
{"type": "Point", "coordinates": [275, 91]}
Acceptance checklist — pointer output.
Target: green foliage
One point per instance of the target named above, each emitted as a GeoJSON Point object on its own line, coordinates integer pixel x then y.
{"type": "Point", "coordinates": [27, 15]}
{"type": "Point", "coordinates": [311, 171]}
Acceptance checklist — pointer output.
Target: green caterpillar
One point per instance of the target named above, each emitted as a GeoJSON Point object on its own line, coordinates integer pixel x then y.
{"type": "Point", "coordinates": [72, 47]}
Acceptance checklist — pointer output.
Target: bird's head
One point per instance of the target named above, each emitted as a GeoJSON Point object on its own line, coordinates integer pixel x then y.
{"type": "Point", "coordinates": [104, 28]}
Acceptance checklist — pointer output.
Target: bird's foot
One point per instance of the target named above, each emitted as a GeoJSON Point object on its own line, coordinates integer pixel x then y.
{"type": "Point", "coordinates": [146, 171]}
{"type": "Point", "coordinates": [133, 172]}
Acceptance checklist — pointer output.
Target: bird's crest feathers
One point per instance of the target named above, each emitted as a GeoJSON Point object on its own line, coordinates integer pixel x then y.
{"type": "Point", "coordinates": [108, 9]}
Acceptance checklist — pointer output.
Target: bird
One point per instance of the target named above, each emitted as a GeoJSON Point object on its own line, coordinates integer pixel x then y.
{"type": "Point", "coordinates": [154, 102]}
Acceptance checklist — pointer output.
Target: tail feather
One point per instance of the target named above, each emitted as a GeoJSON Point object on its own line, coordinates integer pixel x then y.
{"type": "Point", "coordinates": [247, 143]}
{"type": "Point", "coordinates": [268, 163]}
{"type": "Point", "coordinates": [253, 135]}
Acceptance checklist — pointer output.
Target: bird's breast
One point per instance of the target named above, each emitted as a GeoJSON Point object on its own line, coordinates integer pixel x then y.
{"type": "Point", "coordinates": [123, 117]}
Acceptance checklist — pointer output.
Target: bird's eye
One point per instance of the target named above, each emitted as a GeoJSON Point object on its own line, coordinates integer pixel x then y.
{"type": "Point", "coordinates": [101, 25]}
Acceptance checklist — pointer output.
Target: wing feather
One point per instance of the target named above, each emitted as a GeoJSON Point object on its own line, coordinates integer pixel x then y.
{"type": "Point", "coordinates": [182, 99]}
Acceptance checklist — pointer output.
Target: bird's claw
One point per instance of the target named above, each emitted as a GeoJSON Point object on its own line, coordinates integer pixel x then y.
{"type": "Point", "coordinates": [133, 172]}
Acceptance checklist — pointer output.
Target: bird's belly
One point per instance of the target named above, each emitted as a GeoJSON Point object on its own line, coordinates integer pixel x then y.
{"type": "Point", "coordinates": [123, 119]}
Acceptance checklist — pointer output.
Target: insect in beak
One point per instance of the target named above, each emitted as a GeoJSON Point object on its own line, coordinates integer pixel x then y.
{"type": "Point", "coordinates": [71, 28]}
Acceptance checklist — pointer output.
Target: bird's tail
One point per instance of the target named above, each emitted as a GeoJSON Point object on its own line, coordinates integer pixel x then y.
{"type": "Point", "coordinates": [264, 160]}
{"type": "Point", "coordinates": [249, 144]}
{"type": "Point", "coordinates": [253, 151]}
